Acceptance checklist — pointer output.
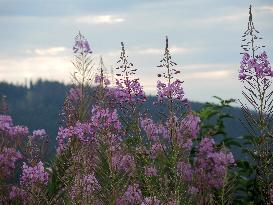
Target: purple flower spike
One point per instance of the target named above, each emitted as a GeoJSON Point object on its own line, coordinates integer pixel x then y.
{"type": "Point", "coordinates": [258, 67]}
{"type": "Point", "coordinates": [39, 133]}
{"type": "Point", "coordinates": [131, 196]}
{"type": "Point", "coordinates": [33, 175]}
{"type": "Point", "coordinates": [81, 45]}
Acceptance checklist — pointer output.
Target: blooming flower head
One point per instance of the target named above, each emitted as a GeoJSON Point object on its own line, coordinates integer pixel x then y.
{"type": "Point", "coordinates": [211, 165]}
{"type": "Point", "coordinates": [151, 201]}
{"type": "Point", "coordinates": [8, 158]}
{"type": "Point", "coordinates": [258, 67]}
{"type": "Point", "coordinates": [39, 133]}
{"type": "Point", "coordinates": [84, 187]}
{"type": "Point", "coordinates": [129, 91]}
{"type": "Point", "coordinates": [171, 91]}
{"type": "Point", "coordinates": [185, 170]}
{"type": "Point", "coordinates": [81, 131]}
{"type": "Point", "coordinates": [75, 94]}
{"type": "Point", "coordinates": [128, 88]}
{"type": "Point", "coordinates": [206, 145]}
{"type": "Point", "coordinates": [5, 122]}
{"type": "Point", "coordinates": [126, 163]}
{"type": "Point", "coordinates": [132, 195]}
{"type": "Point", "coordinates": [102, 80]}
{"type": "Point", "coordinates": [18, 193]}
{"type": "Point", "coordinates": [153, 130]}
{"type": "Point", "coordinates": [190, 125]}
{"type": "Point", "coordinates": [32, 181]}
{"type": "Point", "coordinates": [33, 175]}
{"type": "Point", "coordinates": [156, 149]}
{"type": "Point", "coordinates": [105, 118]}
{"type": "Point", "coordinates": [18, 130]}
{"type": "Point", "coordinates": [81, 44]}
{"type": "Point", "coordinates": [150, 171]}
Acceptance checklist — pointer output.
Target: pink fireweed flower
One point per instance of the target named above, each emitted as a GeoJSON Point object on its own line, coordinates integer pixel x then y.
{"type": "Point", "coordinates": [187, 144]}
{"type": "Point", "coordinates": [33, 175]}
{"type": "Point", "coordinates": [190, 125]}
{"type": "Point", "coordinates": [156, 149]}
{"type": "Point", "coordinates": [183, 131]}
{"type": "Point", "coordinates": [127, 163]}
{"type": "Point", "coordinates": [114, 142]}
{"type": "Point", "coordinates": [18, 193]}
{"type": "Point", "coordinates": [131, 196]}
{"type": "Point", "coordinates": [150, 128]}
{"type": "Point", "coordinates": [185, 170]}
{"type": "Point", "coordinates": [124, 163]}
{"type": "Point", "coordinates": [150, 171]}
{"type": "Point", "coordinates": [128, 88]}
{"type": "Point", "coordinates": [153, 130]}
{"type": "Point", "coordinates": [8, 158]}
{"type": "Point", "coordinates": [104, 118]}
{"type": "Point", "coordinates": [84, 187]}
{"type": "Point", "coordinates": [63, 138]}
{"type": "Point", "coordinates": [5, 122]}
{"type": "Point", "coordinates": [39, 133]}
{"type": "Point", "coordinates": [81, 44]}
{"type": "Point", "coordinates": [171, 91]}
{"type": "Point", "coordinates": [221, 158]}
{"type": "Point", "coordinates": [75, 94]}
{"type": "Point", "coordinates": [255, 67]}
{"type": "Point", "coordinates": [32, 180]}
{"type": "Point", "coordinates": [129, 91]}
{"type": "Point", "coordinates": [18, 130]}
{"type": "Point", "coordinates": [211, 165]}
{"type": "Point", "coordinates": [103, 121]}
{"type": "Point", "coordinates": [81, 131]}
{"type": "Point", "coordinates": [91, 183]}
{"type": "Point", "coordinates": [151, 201]}
{"type": "Point", "coordinates": [102, 80]}
{"type": "Point", "coordinates": [186, 130]}
{"type": "Point", "coordinates": [206, 146]}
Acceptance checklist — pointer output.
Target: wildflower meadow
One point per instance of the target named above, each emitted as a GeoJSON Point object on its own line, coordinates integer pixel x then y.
{"type": "Point", "coordinates": [111, 150]}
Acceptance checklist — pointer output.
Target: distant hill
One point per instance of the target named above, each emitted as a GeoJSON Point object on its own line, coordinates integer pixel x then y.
{"type": "Point", "coordinates": [39, 105]}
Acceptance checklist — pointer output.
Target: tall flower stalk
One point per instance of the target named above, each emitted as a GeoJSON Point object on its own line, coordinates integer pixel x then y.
{"type": "Point", "coordinates": [82, 76]}
{"type": "Point", "coordinates": [129, 93]}
{"type": "Point", "coordinates": [172, 90]}
{"type": "Point", "coordinates": [75, 139]}
{"type": "Point", "coordinates": [256, 75]}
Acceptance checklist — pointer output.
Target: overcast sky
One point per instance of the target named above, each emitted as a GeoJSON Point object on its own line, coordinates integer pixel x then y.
{"type": "Point", "coordinates": [36, 38]}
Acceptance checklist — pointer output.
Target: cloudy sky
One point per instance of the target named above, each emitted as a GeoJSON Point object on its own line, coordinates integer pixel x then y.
{"type": "Point", "coordinates": [36, 38]}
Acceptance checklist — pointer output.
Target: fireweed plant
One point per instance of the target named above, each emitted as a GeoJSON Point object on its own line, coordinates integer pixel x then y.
{"type": "Point", "coordinates": [256, 75]}
{"type": "Point", "coordinates": [17, 144]}
{"type": "Point", "coordinates": [128, 93]}
{"type": "Point", "coordinates": [76, 103]}
{"type": "Point", "coordinates": [111, 151]}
